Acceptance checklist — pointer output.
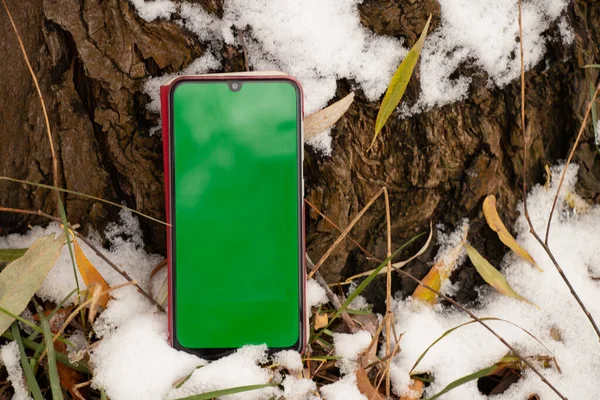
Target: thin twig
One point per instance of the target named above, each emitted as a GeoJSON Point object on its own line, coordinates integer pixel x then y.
{"type": "Point", "coordinates": [74, 313]}
{"type": "Point", "coordinates": [83, 195]}
{"type": "Point", "coordinates": [333, 298]}
{"type": "Point", "coordinates": [486, 326]}
{"type": "Point", "coordinates": [562, 176]}
{"type": "Point", "coordinates": [91, 246]}
{"type": "Point", "coordinates": [39, 92]}
{"type": "Point", "coordinates": [326, 218]}
{"type": "Point", "coordinates": [544, 243]}
{"type": "Point", "coordinates": [388, 295]}
{"type": "Point", "coordinates": [345, 232]}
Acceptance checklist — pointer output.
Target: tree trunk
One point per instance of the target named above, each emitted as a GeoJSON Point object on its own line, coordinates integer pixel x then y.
{"type": "Point", "coordinates": [92, 57]}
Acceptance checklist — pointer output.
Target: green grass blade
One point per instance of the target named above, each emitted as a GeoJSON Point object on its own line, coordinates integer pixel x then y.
{"type": "Point", "coordinates": [465, 379]}
{"type": "Point", "coordinates": [32, 325]}
{"type": "Point", "coordinates": [32, 384]}
{"type": "Point", "coordinates": [35, 334]}
{"type": "Point", "coordinates": [363, 285]}
{"type": "Point", "coordinates": [8, 255]}
{"type": "Point", "coordinates": [449, 331]}
{"type": "Point", "coordinates": [225, 392]}
{"type": "Point", "coordinates": [592, 66]}
{"type": "Point", "coordinates": [60, 357]}
{"type": "Point", "coordinates": [398, 84]}
{"type": "Point", "coordinates": [102, 394]}
{"type": "Point", "coordinates": [52, 369]}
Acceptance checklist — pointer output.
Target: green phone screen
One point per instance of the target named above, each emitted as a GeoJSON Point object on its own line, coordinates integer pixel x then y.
{"type": "Point", "coordinates": [236, 214]}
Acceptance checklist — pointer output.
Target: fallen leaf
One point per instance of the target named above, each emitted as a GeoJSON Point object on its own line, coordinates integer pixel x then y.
{"type": "Point", "coordinates": [548, 177]}
{"type": "Point", "coordinates": [415, 390]}
{"type": "Point", "coordinates": [22, 278]}
{"type": "Point", "coordinates": [9, 255]}
{"type": "Point", "coordinates": [439, 273]}
{"type": "Point", "coordinates": [491, 275]}
{"type": "Point", "coordinates": [321, 320]}
{"type": "Point", "coordinates": [577, 203]}
{"type": "Point", "coordinates": [324, 119]}
{"type": "Point", "coordinates": [89, 273]}
{"type": "Point", "coordinates": [496, 224]}
{"type": "Point", "coordinates": [365, 386]}
{"type": "Point", "coordinates": [398, 84]}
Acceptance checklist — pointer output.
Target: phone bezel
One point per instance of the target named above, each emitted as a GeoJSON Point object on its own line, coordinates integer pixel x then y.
{"type": "Point", "coordinates": [215, 353]}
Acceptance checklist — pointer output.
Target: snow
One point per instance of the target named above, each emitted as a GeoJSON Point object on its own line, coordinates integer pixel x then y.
{"type": "Point", "coordinates": [323, 41]}
{"type": "Point", "coordinates": [344, 389]}
{"type": "Point", "coordinates": [597, 133]}
{"type": "Point", "coordinates": [574, 241]}
{"type": "Point", "coordinates": [349, 346]}
{"type": "Point", "coordinates": [11, 358]}
{"type": "Point", "coordinates": [154, 9]}
{"type": "Point", "coordinates": [299, 389]}
{"type": "Point", "coordinates": [288, 359]}
{"type": "Point", "coordinates": [315, 294]}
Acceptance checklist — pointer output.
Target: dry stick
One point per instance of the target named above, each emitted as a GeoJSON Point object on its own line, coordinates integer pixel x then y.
{"type": "Point", "coordinates": [326, 218]}
{"type": "Point", "coordinates": [388, 296]}
{"type": "Point", "coordinates": [532, 230]}
{"type": "Point", "coordinates": [333, 298]}
{"type": "Point", "coordinates": [345, 232]}
{"type": "Point", "coordinates": [98, 252]}
{"type": "Point", "coordinates": [562, 176]}
{"type": "Point", "coordinates": [74, 314]}
{"type": "Point", "coordinates": [486, 326]}
{"type": "Point", "coordinates": [85, 196]}
{"type": "Point", "coordinates": [39, 92]}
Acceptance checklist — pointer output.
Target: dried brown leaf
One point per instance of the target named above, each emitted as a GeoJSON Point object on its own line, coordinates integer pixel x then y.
{"type": "Point", "coordinates": [324, 119]}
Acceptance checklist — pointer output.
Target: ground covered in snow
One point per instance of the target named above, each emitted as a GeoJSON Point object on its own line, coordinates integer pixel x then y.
{"type": "Point", "coordinates": [134, 359]}
{"type": "Point", "coordinates": [322, 41]}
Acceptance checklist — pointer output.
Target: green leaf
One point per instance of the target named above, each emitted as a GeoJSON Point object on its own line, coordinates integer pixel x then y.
{"type": "Point", "coordinates": [475, 375]}
{"type": "Point", "coordinates": [491, 275]}
{"type": "Point", "coordinates": [21, 279]}
{"type": "Point", "coordinates": [52, 368]}
{"type": "Point", "coordinates": [363, 285]}
{"type": "Point", "coordinates": [9, 255]}
{"type": "Point", "coordinates": [398, 84]}
{"type": "Point", "coordinates": [32, 384]}
{"type": "Point", "coordinates": [225, 392]}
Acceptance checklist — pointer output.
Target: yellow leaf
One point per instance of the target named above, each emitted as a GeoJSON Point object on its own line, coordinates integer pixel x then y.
{"type": "Point", "coordinates": [398, 84]}
{"type": "Point", "coordinates": [321, 320]}
{"type": "Point", "coordinates": [89, 273]}
{"type": "Point", "coordinates": [491, 275]}
{"type": "Point", "coordinates": [439, 273]}
{"type": "Point", "coordinates": [324, 119]}
{"type": "Point", "coordinates": [577, 203]}
{"type": "Point", "coordinates": [496, 224]}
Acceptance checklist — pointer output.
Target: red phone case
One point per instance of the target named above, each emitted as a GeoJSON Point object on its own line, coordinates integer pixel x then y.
{"type": "Point", "coordinates": [165, 120]}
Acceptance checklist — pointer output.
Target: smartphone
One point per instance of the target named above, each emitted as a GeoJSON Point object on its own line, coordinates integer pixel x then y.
{"type": "Point", "coordinates": [234, 188]}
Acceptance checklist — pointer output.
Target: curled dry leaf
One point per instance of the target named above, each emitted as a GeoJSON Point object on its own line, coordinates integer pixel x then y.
{"type": "Point", "coordinates": [496, 224]}
{"type": "Point", "coordinates": [439, 273]}
{"type": "Point", "coordinates": [324, 119]}
{"type": "Point", "coordinates": [22, 278]}
{"type": "Point", "coordinates": [90, 274]}
{"type": "Point", "coordinates": [321, 320]}
{"type": "Point", "coordinates": [491, 275]}
{"type": "Point", "coordinates": [365, 386]}
{"type": "Point", "coordinates": [577, 203]}
{"type": "Point", "coordinates": [415, 390]}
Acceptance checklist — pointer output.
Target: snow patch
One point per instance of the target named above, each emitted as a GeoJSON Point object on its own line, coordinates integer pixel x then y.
{"type": "Point", "coordinates": [11, 358]}
{"type": "Point", "coordinates": [315, 294]}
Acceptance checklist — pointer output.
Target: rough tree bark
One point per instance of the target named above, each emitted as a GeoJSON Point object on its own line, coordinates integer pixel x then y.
{"type": "Point", "coordinates": [92, 57]}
